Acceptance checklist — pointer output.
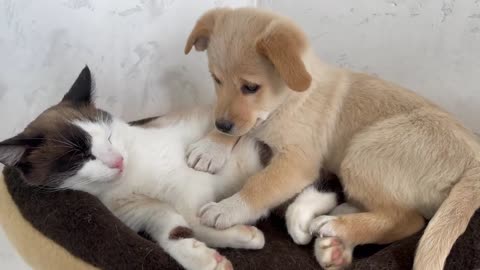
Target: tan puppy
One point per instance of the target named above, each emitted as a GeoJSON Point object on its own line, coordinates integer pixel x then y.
{"type": "Point", "coordinates": [400, 157]}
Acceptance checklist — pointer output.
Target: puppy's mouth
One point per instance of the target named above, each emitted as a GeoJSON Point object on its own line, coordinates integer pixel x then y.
{"type": "Point", "coordinates": [258, 123]}
{"type": "Point", "coordinates": [261, 119]}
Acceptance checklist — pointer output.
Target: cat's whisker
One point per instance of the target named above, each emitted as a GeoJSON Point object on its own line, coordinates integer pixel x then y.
{"type": "Point", "coordinates": [65, 140]}
{"type": "Point", "coordinates": [65, 143]}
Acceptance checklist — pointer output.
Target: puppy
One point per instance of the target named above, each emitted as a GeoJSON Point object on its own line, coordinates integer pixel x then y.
{"type": "Point", "coordinates": [401, 158]}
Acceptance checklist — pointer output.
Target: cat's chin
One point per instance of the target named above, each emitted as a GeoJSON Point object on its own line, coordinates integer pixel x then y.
{"type": "Point", "coordinates": [113, 179]}
{"type": "Point", "coordinates": [112, 176]}
{"type": "Point", "coordinates": [106, 181]}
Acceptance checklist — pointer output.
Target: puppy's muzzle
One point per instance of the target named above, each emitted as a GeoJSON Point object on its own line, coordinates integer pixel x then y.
{"type": "Point", "coordinates": [224, 126]}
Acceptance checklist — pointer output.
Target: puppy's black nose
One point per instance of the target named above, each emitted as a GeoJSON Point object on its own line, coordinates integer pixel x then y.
{"type": "Point", "coordinates": [224, 125]}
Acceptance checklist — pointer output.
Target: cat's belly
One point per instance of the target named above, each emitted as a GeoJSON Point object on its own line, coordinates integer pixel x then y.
{"type": "Point", "coordinates": [158, 172]}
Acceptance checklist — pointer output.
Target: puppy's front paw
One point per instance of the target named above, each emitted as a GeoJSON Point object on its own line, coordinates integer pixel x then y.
{"type": "Point", "coordinates": [207, 155]}
{"type": "Point", "coordinates": [226, 213]}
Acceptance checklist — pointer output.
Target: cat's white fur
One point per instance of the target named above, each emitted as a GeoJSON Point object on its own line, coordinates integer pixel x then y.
{"type": "Point", "coordinates": [157, 191]}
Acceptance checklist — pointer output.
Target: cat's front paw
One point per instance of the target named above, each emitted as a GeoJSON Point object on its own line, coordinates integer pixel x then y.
{"type": "Point", "coordinates": [207, 155]}
{"type": "Point", "coordinates": [226, 213]}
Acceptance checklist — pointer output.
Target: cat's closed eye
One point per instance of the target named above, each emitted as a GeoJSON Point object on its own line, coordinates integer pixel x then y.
{"type": "Point", "coordinates": [88, 155]}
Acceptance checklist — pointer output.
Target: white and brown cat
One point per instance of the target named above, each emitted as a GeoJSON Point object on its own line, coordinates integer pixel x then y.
{"type": "Point", "coordinates": [139, 173]}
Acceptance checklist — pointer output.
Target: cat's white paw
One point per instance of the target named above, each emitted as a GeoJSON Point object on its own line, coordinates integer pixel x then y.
{"type": "Point", "coordinates": [298, 223]}
{"type": "Point", "coordinates": [207, 155]}
{"type": "Point", "coordinates": [224, 265]}
{"type": "Point", "coordinates": [332, 253]}
{"type": "Point", "coordinates": [226, 213]}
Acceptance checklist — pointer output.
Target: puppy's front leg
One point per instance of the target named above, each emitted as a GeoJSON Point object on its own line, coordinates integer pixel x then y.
{"type": "Point", "coordinates": [210, 153]}
{"type": "Point", "coordinates": [286, 175]}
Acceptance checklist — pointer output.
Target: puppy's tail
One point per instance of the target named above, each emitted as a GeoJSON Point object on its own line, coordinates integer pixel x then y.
{"type": "Point", "coordinates": [449, 223]}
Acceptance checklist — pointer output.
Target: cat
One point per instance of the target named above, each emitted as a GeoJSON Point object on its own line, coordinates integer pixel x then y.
{"type": "Point", "coordinates": [139, 173]}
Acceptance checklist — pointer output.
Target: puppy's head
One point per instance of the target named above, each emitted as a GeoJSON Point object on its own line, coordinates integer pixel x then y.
{"type": "Point", "coordinates": [256, 61]}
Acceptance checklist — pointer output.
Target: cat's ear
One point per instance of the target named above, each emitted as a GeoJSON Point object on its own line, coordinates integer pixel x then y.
{"type": "Point", "coordinates": [81, 92]}
{"type": "Point", "coordinates": [11, 150]}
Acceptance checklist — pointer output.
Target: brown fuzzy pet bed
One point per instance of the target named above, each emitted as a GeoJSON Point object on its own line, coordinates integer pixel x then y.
{"type": "Point", "coordinates": [69, 230]}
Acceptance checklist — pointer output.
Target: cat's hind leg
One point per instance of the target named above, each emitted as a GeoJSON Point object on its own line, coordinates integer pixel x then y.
{"type": "Point", "coordinates": [173, 234]}
{"type": "Point", "coordinates": [238, 236]}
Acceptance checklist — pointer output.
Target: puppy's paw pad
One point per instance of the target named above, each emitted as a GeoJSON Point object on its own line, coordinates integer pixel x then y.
{"type": "Point", "coordinates": [323, 226]}
{"type": "Point", "coordinates": [332, 254]}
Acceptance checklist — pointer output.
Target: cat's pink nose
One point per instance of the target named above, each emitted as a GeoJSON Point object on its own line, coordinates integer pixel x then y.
{"type": "Point", "coordinates": [118, 164]}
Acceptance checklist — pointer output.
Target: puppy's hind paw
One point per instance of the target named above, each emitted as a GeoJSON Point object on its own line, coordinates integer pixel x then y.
{"type": "Point", "coordinates": [332, 253]}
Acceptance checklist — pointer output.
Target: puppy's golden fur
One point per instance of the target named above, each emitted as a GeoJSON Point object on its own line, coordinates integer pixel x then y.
{"type": "Point", "coordinates": [400, 157]}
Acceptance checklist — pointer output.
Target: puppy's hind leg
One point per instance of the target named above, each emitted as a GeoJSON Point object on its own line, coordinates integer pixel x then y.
{"type": "Point", "coordinates": [340, 234]}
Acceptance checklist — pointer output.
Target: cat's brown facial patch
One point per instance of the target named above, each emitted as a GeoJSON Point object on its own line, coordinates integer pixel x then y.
{"type": "Point", "coordinates": [180, 232]}
{"type": "Point", "coordinates": [60, 147]}
{"type": "Point", "coordinates": [52, 148]}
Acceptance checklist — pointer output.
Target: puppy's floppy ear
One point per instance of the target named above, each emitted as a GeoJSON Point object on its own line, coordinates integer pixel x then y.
{"type": "Point", "coordinates": [283, 44]}
{"type": "Point", "coordinates": [200, 35]}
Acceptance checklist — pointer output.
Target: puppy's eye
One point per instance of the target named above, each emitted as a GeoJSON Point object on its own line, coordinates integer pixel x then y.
{"type": "Point", "coordinates": [250, 88]}
{"type": "Point", "coordinates": [216, 79]}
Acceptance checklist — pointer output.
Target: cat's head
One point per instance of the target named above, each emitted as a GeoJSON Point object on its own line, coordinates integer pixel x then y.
{"type": "Point", "coordinates": [69, 144]}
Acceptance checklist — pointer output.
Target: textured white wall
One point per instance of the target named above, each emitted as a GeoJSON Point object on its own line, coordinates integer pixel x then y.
{"type": "Point", "coordinates": [430, 46]}
{"type": "Point", "coordinates": [135, 49]}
